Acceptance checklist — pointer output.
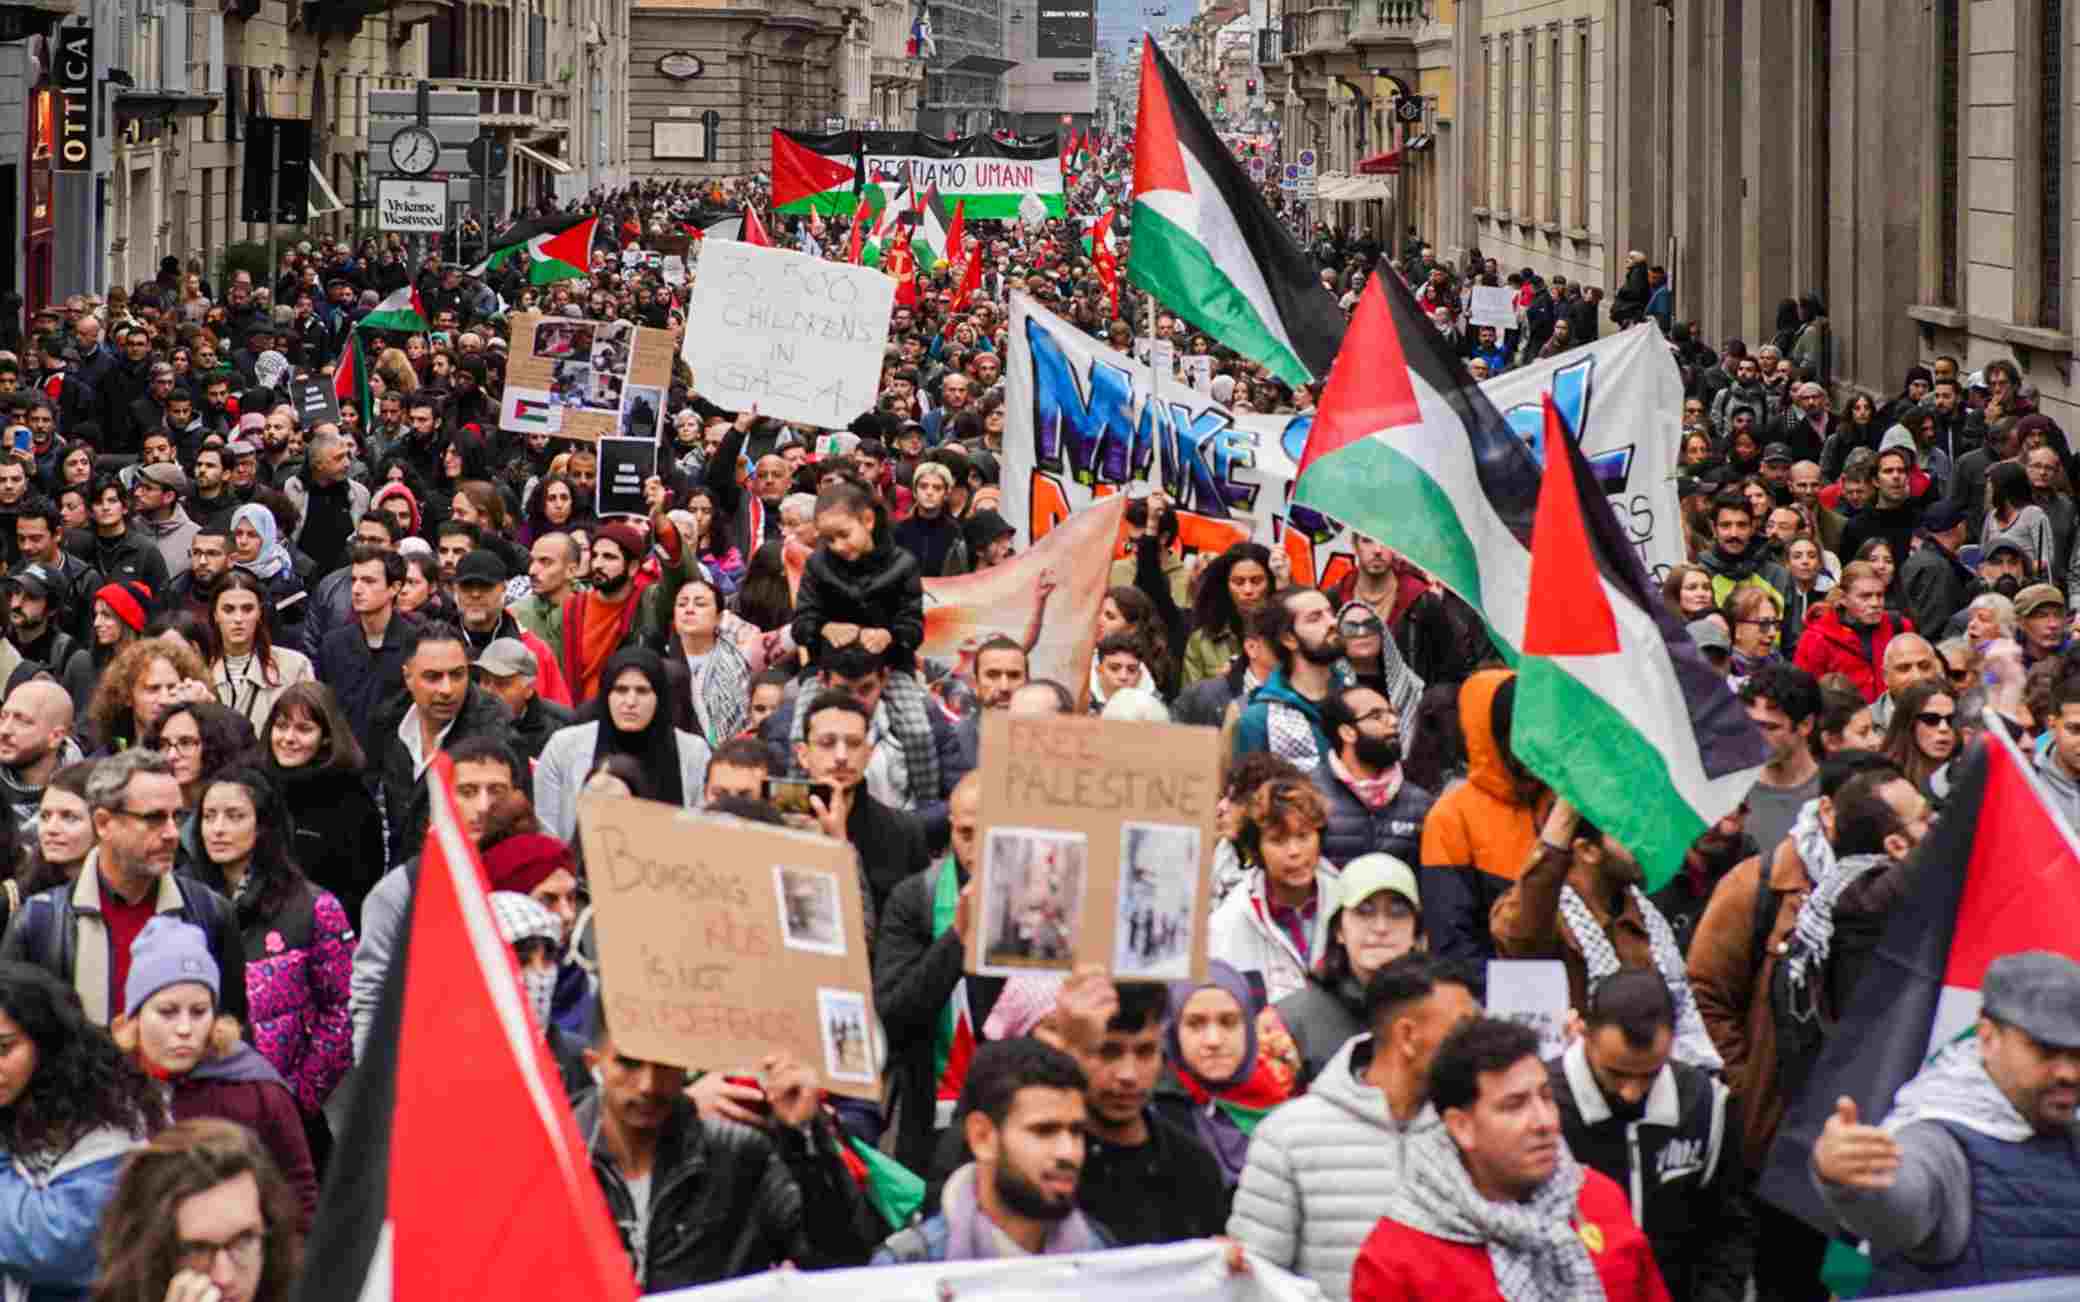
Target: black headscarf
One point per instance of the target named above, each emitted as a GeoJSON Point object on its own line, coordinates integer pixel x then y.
{"type": "Point", "coordinates": [655, 748]}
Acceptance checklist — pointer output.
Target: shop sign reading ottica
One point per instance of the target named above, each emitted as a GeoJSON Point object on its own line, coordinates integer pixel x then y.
{"type": "Point", "coordinates": [73, 75]}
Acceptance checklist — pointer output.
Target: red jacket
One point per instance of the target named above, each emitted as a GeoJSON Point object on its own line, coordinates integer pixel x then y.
{"type": "Point", "coordinates": [1399, 1264]}
{"type": "Point", "coordinates": [1829, 646]}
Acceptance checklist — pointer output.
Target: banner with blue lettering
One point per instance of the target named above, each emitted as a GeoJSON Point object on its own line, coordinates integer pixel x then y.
{"type": "Point", "coordinates": [1084, 421]}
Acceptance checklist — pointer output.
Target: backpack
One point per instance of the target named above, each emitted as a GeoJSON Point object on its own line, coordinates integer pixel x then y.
{"type": "Point", "coordinates": [1795, 1005]}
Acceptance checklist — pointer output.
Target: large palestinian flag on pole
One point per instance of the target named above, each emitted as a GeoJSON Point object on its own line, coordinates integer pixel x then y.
{"type": "Point", "coordinates": [469, 1178]}
{"type": "Point", "coordinates": [1207, 245]}
{"type": "Point", "coordinates": [1998, 874]}
{"type": "Point", "coordinates": [1622, 718]}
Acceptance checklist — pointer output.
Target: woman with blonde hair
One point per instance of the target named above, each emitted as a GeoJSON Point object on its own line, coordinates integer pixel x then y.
{"type": "Point", "coordinates": [396, 370]}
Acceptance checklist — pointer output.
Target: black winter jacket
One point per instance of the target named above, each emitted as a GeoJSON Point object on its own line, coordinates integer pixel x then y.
{"type": "Point", "coordinates": [363, 679]}
{"type": "Point", "coordinates": [1354, 829]}
{"type": "Point", "coordinates": [1680, 1167]}
{"type": "Point", "coordinates": [883, 589]}
{"type": "Point", "coordinates": [728, 1201]}
{"type": "Point", "coordinates": [405, 806]}
{"type": "Point", "coordinates": [337, 831]}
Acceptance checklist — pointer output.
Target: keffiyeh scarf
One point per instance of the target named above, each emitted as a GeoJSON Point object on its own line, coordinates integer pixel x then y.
{"type": "Point", "coordinates": [1693, 1045]}
{"type": "Point", "coordinates": [1534, 1247]}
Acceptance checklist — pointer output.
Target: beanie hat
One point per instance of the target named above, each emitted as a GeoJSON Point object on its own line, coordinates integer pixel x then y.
{"type": "Point", "coordinates": [521, 863]}
{"type": "Point", "coordinates": [627, 537]}
{"type": "Point", "coordinates": [131, 602]}
{"type": "Point", "coordinates": [166, 953]}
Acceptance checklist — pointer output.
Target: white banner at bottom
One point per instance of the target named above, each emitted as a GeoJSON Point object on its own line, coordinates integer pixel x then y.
{"type": "Point", "coordinates": [1174, 1272]}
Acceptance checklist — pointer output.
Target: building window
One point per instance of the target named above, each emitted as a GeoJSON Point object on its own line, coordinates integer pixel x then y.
{"type": "Point", "coordinates": [1580, 207]}
{"type": "Point", "coordinates": [1823, 137]}
{"type": "Point", "coordinates": [1505, 119]}
{"type": "Point", "coordinates": [2051, 165]}
{"type": "Point", "coordinates": [1554, 120]}
{"type": "Point", "coordinates": [1484, 196]}
{"type": "Point", "coordinates": [1949, 70]}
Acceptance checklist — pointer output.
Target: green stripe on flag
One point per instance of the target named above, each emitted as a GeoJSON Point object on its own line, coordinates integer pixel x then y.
{"type": "Point", "coordinates": [893, 1190]}
{"type": "Point", "coordinates": [1558, 720]}
{"type": "Point", "coordinates": [1351, 486]}
{"type": "Point", "coordinates": [1170, 262]}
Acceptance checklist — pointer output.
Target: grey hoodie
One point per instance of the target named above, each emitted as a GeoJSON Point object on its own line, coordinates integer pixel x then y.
{"type": "Point", "coordinates": [172, 536]}
{"type": "Point", "coordinates": [1319, 1170]}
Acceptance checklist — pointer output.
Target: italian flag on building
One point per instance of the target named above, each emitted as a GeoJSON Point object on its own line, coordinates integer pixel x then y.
{"type": "Point", "coordinates": [1615, 708]}
{"type": "Point", "coordinates": [1210, 249]}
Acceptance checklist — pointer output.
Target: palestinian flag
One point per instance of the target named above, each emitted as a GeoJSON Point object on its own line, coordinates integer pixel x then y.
{"type": "Point", "coordinates": [562, 256]}
{"type": "Point", "coordinates": [1998, 874]}
{"type": "Point", "coordinates": [515, 240]}
{"type": "Point", "coordinates": [401, 311]}
{"type": "Point", "coordinates": [350, 378]}
{"type": "Point", "coordinates": [531, 414]}
{"type": "Point", "coordinates": [1208, 246]}
{"type": "Point", "coordinates": [755, 230]}
{"type": "Point", "coordinates": [934, 239]}
{"type": "Point", "coordinates": [1615, 708]}
{"type": "Point", "coordinates": [814, 173]}
{"type": "Point", "coordinates": [455, 1067]}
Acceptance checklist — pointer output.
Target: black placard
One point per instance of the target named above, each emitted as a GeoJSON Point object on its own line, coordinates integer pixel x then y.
{"type": "Point", "coordinates": [316, 403]}
{"type": "Point", "coordinates": [73, 75]}
{"type": "Point", "coordinates": [624, 464]}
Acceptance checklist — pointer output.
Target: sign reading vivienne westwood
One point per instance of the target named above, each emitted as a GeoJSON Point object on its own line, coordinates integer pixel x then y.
{"type": "Point", "coordinates": [721, 941]}
{"type": "Point", "coordinates": [794, 336]}
{"type": "Point", "coordinates": [403, 205]}
{"type": "Point", "coordinates": [1083, 421]}
{"type": "Point", "coordinates": [1100, 846]}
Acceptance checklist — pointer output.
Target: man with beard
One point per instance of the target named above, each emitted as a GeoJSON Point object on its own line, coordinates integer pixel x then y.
{"type": "Point", "coordinates": [213, 500]}
{"type": "Point", "coordinates": [480, 591]}
{"type": "Point", "coordinates": [39, 533]}
{"type": "Point", "coordinates": [1580, 900]}
{"type": "Point", "coordinates": [328, 502]}
{"type": "Point", "coordinates": [209, 559]}
{"type": "Point", "coordinates": [35, 742]}
{"type": "Point", "coordinates": [1716, 852]}
{"type": "Point", "coordinates": [1663, 1130]}
{"type": "Point", "coordinates": [1783, 701]}
{"type": "Point", "coordinates": [752, 511]}
{"type": "Point", "coordinates": [621, 606]}
{"type": "Point", "coordinates": [1023, 1116]}
{"type": "Point", "coordinates": [1737, 558]}
{"type": "Point", "coordinates": [1303, 630]}
{"type": "Point", "coordinates": [155, 499]}
{"type": "Point", "coordinates": [30, 626]}
{"type": "Point", "coordinates": [552, 565]}
{"type": "Point", "coordinates": [1371, 808]}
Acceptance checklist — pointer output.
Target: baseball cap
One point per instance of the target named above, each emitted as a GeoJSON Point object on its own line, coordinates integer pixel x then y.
{"type": "Point", "coordinates": [33, 579]}
{"type": "Point", "coordinates": [166, 475]}
{"type": "Point", "coordinates": [481, 566]}
{"type": "Point", "coordinates": [2036, 992]}
{"type": "Point", "coordinates": [506, 657]}
{"type": "Point", "coordinates": [1369, 874]}
{"type": "Point", "coordinates": [1710, 637]}
{"type": "Point", "coordinates": [2037, 596]}
{"type": "Point", "coordinates": [1778, 452]}
{"type": "Point", "coordinates": [2003, 544]}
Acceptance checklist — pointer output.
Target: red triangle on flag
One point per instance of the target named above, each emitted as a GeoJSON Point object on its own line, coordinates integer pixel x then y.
{"type": "Point", "coordinates": [2022, 881]}
{"type": "Point", "coordinates": [1569, 613]}
{"type": "Point", "coordinates": [1368, 388]}
{"type": "Point", "coordinates": [1158, 158]}
{"type": "Point", "coordinates": [473, 1076]}
{"type": "Point", "coordinates": [754, 230]}
{"type": "Point", "coordinates": [572, 247]}
{"type": "Point", "coordinates": [799, 173]}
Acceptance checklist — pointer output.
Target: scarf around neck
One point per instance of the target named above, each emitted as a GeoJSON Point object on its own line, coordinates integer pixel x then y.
{"type": "Point", "coordinates": [1533, 1246]}
{"type": "Point", "coordinates": [1953, 1086]}
{"type": "Point", "coordinates": [972, 1236]}
{"type": "Point", "coordinates": [1693, 1044]}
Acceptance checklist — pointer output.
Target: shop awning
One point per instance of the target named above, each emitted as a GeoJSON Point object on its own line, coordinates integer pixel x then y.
{"type": "Point", "coordinates": [1386, 164]}
{"type": "Point", "coordinates": [322, 200]}
{"type": "Point", "coordinates": [541, 159]}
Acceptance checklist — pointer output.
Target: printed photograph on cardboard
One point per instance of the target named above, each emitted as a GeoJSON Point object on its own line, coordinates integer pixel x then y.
{"type": "Point", "coordinates": [811, 917]}
{"type": "Point", "coordinates": [564, 340]}
{"type": "Point", "coordinates": [612, 342]}
{"type": "Point", "coordinates": [571, 382]}
{"type": "Point", "coordinates": [642, 406]}
{"type": "Point", "coordinates": [848, 1050]}
{"type": "Point", "coordinates": [1032, 898]}
{"type": "Point", "coordinates": [1157, 901]}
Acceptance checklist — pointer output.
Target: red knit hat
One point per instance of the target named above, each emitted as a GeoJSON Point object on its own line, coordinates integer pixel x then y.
{"type": "Point", "coordinates": [521, 863]}
{"type": "Point", "coordinates": [131, 602]}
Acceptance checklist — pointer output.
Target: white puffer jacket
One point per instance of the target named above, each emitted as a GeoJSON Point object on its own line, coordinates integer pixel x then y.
{"type": "Point", "coordinates": [1319, 1170]}
{"type": "Point", "coordinates": [1242, 934]}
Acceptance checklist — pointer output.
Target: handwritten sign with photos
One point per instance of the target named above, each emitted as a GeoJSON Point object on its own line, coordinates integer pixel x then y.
{"type": "Point", "coordinates": [580, 379]}
{"type": "Point", "coordinates": [1099, 846]}
{"type": "Point", "coordinates": [722, 941]}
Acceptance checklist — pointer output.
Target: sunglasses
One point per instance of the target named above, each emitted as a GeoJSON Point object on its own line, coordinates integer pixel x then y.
{"type": "Point", "coordinates": [1935, 719]}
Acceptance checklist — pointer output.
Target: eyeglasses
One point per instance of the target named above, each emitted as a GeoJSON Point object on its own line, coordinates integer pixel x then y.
{"type": "Point", "coordinates": [243, 1249]}
{"type": "Point", "coordinates": [1764, 623]}
{"type": "Point", "coordinates": [152, 817]}
{"type": "Point", "coordinates": [1935, 719]}
{"type": "Point", "coordinates": [1360, 627]}
{"type": "Point", "coordinates": [181, 745]}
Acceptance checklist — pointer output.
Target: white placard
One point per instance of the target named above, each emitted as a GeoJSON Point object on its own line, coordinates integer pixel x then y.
{"type": "Point", "coordinates": [403, 205]}
{"type": "Point", "coordinates": [799, 338]}
{"type": "Point", "coordinates": [1532, 991]}
{"type": "Point", "coordinates": [1198, 368]}
{"type": "Point", "coordinates": [674, 269]}
{"type": "Point", "coordinates": [1162, 357]}
{"type": "Point", "coordinates": [1495, 306]}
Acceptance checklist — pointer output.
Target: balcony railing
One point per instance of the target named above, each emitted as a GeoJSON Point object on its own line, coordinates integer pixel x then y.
{"type": "Point", "coordinates": [1327, 29]}
{"type": "Point", "coordinates": [515, 103]}
{"type": "Point", "coordinates": [1381, 21]}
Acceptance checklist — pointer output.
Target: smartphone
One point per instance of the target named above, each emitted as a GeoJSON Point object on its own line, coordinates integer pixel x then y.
{"type": "Point", "coordinates": [763, 1106]}
{"type": "Point", "coordinates": [21, 438]}
{"type": "Point", "coordinates": [791, 795]}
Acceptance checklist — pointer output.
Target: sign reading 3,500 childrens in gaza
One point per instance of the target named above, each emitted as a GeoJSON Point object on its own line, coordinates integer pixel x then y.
{"type": "Point", "coordinates": [798, 338]}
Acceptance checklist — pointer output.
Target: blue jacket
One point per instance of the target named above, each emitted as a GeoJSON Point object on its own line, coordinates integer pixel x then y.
{"type": "Point", "coordinates": [1253, 732]}
{"type": "Point", "coordinates": [49, 1227]}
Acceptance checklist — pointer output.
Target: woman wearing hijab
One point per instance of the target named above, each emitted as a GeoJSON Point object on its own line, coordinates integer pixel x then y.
{"type": "Point", "coordinates": [632, 715]}
{"type": "Point", "coordinates": [257, 549]}
{"type": "Point", "coordinates": [1232, 1078]}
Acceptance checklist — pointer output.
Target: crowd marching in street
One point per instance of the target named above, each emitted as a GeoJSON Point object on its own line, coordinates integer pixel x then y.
{"type": "Point", "coordinates": [241, 629]}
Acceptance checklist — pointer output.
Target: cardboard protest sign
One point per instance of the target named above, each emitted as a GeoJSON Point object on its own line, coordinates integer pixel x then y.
{"type": "Point", "coordinates": [584, 379]}
{"type": "Point", "coordinates": [1532, 991]}
{"type": "Point", "coordinates": [796, 337]}
{"type": "Point", "coordinates": [1493, 306]}
{"type": "Point", "coordinates": [721, 941]}
{"type": "Point", "coordinates": [1099, 846]}
{"type": "Point", "coordinates": [316, 403]}
{"type": "Point", "coordinates": [1046, 599]}
{"type": "Point", "coordinates": [624, 463]}
{"type": "Point", "coordinates": [1083, 421]}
